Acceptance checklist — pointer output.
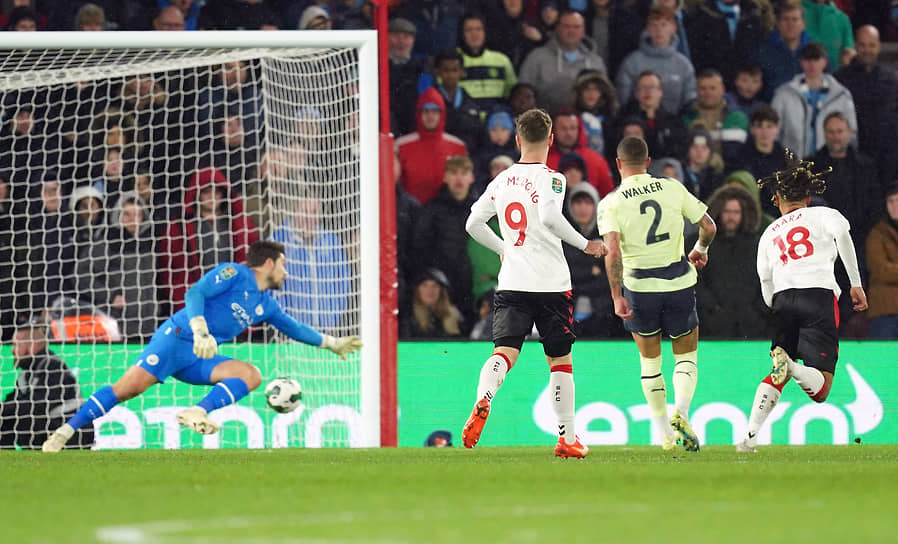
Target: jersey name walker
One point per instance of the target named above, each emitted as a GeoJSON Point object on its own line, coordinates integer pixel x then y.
{"type": "Point", "coordinates": [533, 259]}
{"type": "Point", "coordinates": [648, 213]}
{"type": "Point", "coordinates": [797, 251]}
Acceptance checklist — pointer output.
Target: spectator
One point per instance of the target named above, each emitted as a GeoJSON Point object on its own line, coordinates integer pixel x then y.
{"type": "Point", "coordinates": [190, 11]}
{"type": "Point", "coordinates": [437, 22]}
{"type": "Point", "coordinates": [156, 198]}
{"type": "Point", "coordinates": [614, 27]}
{"type": "Point", "coordinates": [432, 315]}
{"type": "Point", "coordinates": [213, 230]}
{"type": "Point", "coordinates": [108, 180]}
{"type": "Point", "coordinates": [746, 90]}
{"type": "Point", "coordinates": [488, 74]}
{"type": "Point", "coordinates": [90, 17]}
{"type": "Point", "coordinates": [45, 396]}
{"type": "Point", "coordinates": [521, 98]}
{"type": "Point", "coordinates": [511, 32]}
{"type": "Point", "coordinates": [595, 100]}
{"type": "Point", "coordinates": [22, 19]}
{"type": "Point", "coordinates": [747, 181]}
{"type": "Point", "coordinates": [700, 175]}
{"type": "Point", "coordinates": [463, 113]}
{"type": "Point", "coordinates": [314, 18]}
{"type": "Point", "coordinates": [233, 153]}
{"type": "Point", "coordinates": [728, 293]}
{"type": "Point", "coordinates": [571, 136]}
{"type": "Point", "coordinates": [874, 88]}
{"type": "Point", "coordinates": [726, 127]}
{"type": "Point", "coordinates": [678, 9]}
{"type": "Point", "coordinates": [500, 142]}
{"type": "Point", "coordinates": [428, 146]}
{"type": "Point", "coordinates": [483, 329]}
{"type": "Point", "coordinates": [807, 100]}
{"type": "Point", "coordinates": [882, 263]}
{"type": "Point", "coordinates": [23, 150]}
{"type": "Point", "coordinates": [353, 14]}
{"type": "Point", "coordinates": [826, 24]}
{"type": "Point", "coordinates": [233, 89]}
{"type": "Point", "coordinates": [552, 69]}
{"type": "Point", "coordinates": [169, 18]}
{"type": "Point", "coordinates": [317, 287]}
{"type": "Point", "coordinates": [762, 154]}
{"type": "Point", "coordinates": [722, 34]}
{"type": "Point", "coordinates": [119, 278]}
{"type": "Point", "coordinates": [407, 75]}
{"type": "Point", "coordinates": [440, 239]}
{"type": "Point", "coordinates": [668, 167]}
{"type": "Point", "coordinates": [778, 54]}
{"type": "Point", "coordinates": [658, 52]}
{"type": "Point", "coordinates": [86, 203]}
{"type": "Point", "coordinates": [573, 167]}
{"type": "Point", "coordinates": [18, 6]}
{"type": "Point", "coordinates": [664, 131]}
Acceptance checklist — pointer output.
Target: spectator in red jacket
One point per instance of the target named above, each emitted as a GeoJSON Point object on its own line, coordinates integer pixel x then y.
{"type": "Point", "coordinates": [423, 153]}
{"type": "Point", "coordinates": [571, 136]}
{"type": "Point", "coordinates": [213, 230]}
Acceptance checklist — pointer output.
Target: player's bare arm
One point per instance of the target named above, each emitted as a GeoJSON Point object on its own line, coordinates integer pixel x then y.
{"type": "Point", "coordinates": [859, 298]}
{"type": "Point", "coordinates": [614, 265]}
{"type": "Point", "coordinates": [596, 248]}
{"type": "Point", "coordinates": [706, 231]}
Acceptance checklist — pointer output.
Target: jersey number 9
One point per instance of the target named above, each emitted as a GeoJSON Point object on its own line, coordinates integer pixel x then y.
{"type": "Point", "coordinates": [519, 224]}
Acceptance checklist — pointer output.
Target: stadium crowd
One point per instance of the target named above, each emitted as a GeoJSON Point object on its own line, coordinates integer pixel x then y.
{"type": "Point", "coordinates": [105, 198]}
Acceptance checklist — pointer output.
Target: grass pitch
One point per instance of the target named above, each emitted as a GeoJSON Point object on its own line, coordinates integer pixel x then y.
{"type": "Point", "coordinates": [410, 495]}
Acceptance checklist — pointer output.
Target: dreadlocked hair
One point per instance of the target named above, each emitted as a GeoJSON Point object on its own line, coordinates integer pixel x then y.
{"type": "Point", "coordinates": [798, 181]}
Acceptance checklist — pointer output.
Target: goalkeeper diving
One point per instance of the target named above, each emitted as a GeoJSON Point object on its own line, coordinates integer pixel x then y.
{"type": "Point", "coordinates": [224, 302]}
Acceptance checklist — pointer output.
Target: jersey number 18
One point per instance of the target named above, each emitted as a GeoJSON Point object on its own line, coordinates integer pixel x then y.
{"type": "Point", "coordinates": [798, 236]}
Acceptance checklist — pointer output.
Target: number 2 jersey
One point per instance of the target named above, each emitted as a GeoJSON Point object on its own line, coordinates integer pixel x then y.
{"type": "Point", "coordinates": [798, 250]}
{"type": "Point", "coordinates": [527, 198]}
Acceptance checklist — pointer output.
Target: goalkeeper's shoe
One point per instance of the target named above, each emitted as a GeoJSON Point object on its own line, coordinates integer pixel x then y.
{"type": "Point", "coordinates": [746, 447]}
{"type": "Point", "coordinates": [195, 418]}
{"type": "Point", "coordinates": [780, 371]}
{"type": "Point", "coordinates": [687, 436]}
{"type": "Point", "coordinates": [56, 441]}
{"type": "Point", "coordinates": [474, 426]}
{"type": "Point", "coordinates": [565, 450]}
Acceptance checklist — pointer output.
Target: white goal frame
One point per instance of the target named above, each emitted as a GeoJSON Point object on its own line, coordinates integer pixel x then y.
{"type": "Point", "coordinates": [365, 42]}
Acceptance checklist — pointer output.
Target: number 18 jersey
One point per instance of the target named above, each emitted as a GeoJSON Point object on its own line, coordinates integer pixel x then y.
{"type": "Point", "coordinates": [533, 259]}
{"type": "Point", "coordinates": [797, 251]}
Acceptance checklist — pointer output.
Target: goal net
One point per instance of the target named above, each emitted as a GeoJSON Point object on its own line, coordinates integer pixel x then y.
{"type": "Point", "coordinates": [133, 163]}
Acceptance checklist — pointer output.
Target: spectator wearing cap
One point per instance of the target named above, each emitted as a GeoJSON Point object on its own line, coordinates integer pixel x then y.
{"type": "Point", "coordinates": [722, 34]}
{"type": "Point", "coordinates": [432, 315]}
{"type": "Point", "coordinates": [829, 26]}
{"type": "Point", "coordinates": [46, 393]}
{"type": "Point", "coordinates": [552, 69]}
{"type": "Point", "coordinates": [464, 117]}
{"type": "Point", "coordinates": [571, 136]}
{"type": "Point", "coordinates": [807, 100]}
{"type": "Point", "coordinates": [90, 17]}
{"type": "Point", "coordinates": [658, 52]}
{"type": "Point", "coordinates": [489, 75]}
{"type": "Point", "coordinates": [408, 75]}
{"type": "Point", "coordinates": [727, 127]}
{"type": "Point", "coordinates": [499, 142]}
{"type": "Point", "coordinates": [778, 54]}
{"type": "Point", "coordinates": [882, 262]}
{"type": "Point", "coordinates": [595, 100]}
{"type": "Point", "coordinates": [762, 154]}
{"type": "Point", "coordinates": [314, 18]}
{"type": "Point", "coordinates": [423, 152]}
{"type": "Point", "coordinates": [437, 24]}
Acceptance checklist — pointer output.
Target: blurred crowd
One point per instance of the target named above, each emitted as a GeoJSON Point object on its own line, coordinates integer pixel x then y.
{"type": "Point", "coordinates": [719, 89]}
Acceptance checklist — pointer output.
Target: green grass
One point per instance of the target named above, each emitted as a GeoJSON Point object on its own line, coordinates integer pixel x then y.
{"type": "Point", "coordinates": [494, 495]}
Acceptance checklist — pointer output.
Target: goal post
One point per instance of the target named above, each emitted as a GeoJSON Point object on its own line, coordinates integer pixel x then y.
{"type": "Point", "coordinates": [107, 109]}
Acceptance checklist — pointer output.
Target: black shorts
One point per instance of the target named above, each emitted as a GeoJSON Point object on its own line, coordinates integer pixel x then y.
{"type": "Point", "coordinates": [515, 313]}
{"type": "Point", "coordinates": [670, 313]}
{"type": "Point", "coordinates": [806, 325]}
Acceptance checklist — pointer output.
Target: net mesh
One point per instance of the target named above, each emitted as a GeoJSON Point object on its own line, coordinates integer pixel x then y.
{"type": "Point", "coordinates": [127, 175]}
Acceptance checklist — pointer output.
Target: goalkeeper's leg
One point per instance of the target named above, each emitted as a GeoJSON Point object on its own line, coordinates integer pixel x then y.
{"type": "Point", "coordinates": [133, 382]}
{"type": "Point", "coordinates": [233, 380]}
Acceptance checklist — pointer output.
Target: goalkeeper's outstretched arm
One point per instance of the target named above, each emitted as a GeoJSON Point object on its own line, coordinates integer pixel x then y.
{"type": "Point", "coordinates": [307, 335]}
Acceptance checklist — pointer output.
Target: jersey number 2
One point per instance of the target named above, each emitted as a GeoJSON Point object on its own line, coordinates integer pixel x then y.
{"type": "Point", "coordinates": [653, 237]}
{"type": "Point", "coordinates": [798, 236]}
{"type": "Point", "coordinates": [519, 224]}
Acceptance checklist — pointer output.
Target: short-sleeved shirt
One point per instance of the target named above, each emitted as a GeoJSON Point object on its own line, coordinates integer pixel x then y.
{"type": "Point", "coordinates": [533, 259]}
{"type": "Point", "coordinates": [648, 213]}
{"type": "Point", "coordinates": [798, 250]}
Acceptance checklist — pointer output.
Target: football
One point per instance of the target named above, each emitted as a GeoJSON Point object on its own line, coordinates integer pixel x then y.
{"type": "Point", "coordinates": [283, 395]}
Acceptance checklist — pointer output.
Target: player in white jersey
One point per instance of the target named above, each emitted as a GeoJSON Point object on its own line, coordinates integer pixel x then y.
{"type": "Point", "coordinates": [534, 280]}
{"type": "Point", "coordinates": [795, 264]}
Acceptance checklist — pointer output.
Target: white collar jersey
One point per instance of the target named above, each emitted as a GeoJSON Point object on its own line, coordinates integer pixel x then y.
{"type": "Point", "coordinates": [533, 258]}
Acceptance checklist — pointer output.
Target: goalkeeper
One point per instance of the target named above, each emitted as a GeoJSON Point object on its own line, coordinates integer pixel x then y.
{"type": "Point", "coordinates": [233, 297]}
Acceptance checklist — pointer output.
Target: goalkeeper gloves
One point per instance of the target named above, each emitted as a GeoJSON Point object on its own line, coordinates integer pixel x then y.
{"type": "Point", "coordinates": [341, 345]}
{"type": "Point", "coordinates": [204, 345]}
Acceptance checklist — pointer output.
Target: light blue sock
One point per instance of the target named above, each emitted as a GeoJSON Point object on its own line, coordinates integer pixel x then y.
{"type": "Point", "coordinates": [96, 406]}
{"type": "Point", "coordinates": [225, 392]}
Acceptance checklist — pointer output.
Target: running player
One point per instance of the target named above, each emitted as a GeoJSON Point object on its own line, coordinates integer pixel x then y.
{"type": "Point", "coordinates": [534, 280]}
{"type": "Point", "coordinates": [796, 254]}
{"type": "Point", "coordinates": [653, 284]}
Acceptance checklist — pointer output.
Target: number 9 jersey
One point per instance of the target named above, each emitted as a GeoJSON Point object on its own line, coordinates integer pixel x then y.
{"type": "Point", "coordinates": [533, 259]}
{"type": "Point", "coordinates": [798, 250]}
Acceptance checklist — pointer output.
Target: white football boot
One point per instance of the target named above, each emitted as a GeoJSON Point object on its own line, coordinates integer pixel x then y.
{"type": "Point", "coordinates": [56, 441]}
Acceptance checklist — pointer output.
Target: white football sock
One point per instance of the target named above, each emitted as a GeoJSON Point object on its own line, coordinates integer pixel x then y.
{"type": "Point", "coordinates": [561, 386]}
{"type": "Point", "coordinates": [808, 378]}
{"type": "Point", "coordinates": [685, 377]}
{"type": "Point", "coordinates": [766, 398]}
{"type": "Point", "coordinates": [655, 392]}
{"type": "Point", "coordinates": [491, 377]}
